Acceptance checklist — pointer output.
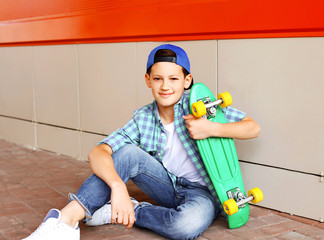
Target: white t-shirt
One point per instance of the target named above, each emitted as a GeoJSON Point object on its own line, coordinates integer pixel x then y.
{"type": "Point", "coordinates": [176, 159]}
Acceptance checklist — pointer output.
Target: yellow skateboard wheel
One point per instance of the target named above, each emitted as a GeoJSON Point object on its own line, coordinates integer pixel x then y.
{"type": "Point", "coordinates": [257, 195]}
{"type": "Point", "coordinates": [230, 207]}
{"type": "Point", "coordinates": [227, 99]}
{"type": "Point", "coordinates": [198, 109]}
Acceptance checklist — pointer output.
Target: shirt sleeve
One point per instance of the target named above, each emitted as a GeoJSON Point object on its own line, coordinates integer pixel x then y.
{"type": "Point", "coordinates": [129, 134]}
{"type": "Point", "coordinates": [233, 115]}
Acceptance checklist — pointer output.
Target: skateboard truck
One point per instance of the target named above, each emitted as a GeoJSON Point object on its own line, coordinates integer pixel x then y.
{"type": "Point", "coordinates": [204, 107]}
{"type": "Point", "coordinates": [210, 106]}
{"type": "Point", "coordinates": [239, 197]}
{"type": "Point", "coordinates": [238, 200]}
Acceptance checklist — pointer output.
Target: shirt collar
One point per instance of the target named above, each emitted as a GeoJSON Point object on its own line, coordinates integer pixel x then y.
{"type": "Point", "coordinates": [181, 102]}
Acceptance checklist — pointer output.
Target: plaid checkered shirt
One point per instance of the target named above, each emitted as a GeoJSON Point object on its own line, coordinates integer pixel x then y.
{"type": "Point", "coordinates": [146, 130]}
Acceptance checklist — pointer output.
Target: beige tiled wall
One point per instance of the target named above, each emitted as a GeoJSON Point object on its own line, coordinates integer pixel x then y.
{"type": "Point", "coordinates": [56, 85]}
{"type": "Point", "coordinates": [279, 82]}
{"type": "Point", "coordinates": [18, 131]}
{"type": "Point", "coordinates": [16, 82]}
{"type": "Point", "coordinates": [66, 93]}
{"type": "Point", "coordinates": [107, 85]}
{"type": "Point", "coordinates": [59, 140]}
{"type": "Point", "coordinates": [66, 98]}
{"type": "Point", "coordinates": [295, 193]}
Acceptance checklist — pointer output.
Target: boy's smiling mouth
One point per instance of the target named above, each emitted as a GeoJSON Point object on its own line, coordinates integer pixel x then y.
{"type": "Point", "coordinates": [165, 94]}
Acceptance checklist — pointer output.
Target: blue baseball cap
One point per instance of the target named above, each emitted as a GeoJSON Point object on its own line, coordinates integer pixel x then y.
{"type": "Point", "coordinates": [181, 57]}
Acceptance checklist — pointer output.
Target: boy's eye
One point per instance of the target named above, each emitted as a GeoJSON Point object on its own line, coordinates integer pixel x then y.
{"type": "Point", "coordinates": [157, 78]}
{"type": "Point", "coordinates": [173, 79]}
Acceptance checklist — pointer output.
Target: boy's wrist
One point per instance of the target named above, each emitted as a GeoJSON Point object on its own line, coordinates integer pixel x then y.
{"type": "Point", "coordinates": [217, 129]}
{"type": "Point", "coordinates": [117, 184]}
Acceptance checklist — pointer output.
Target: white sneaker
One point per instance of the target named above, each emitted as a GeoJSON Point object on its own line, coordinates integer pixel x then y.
{"type": "Point", "coordinates": [52, 229]}
{"type": "Point", "coordinates": [103, 215]}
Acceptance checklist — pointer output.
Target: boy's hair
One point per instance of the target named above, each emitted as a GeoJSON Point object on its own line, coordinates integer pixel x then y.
{"type": "Point", "coordinates": [162, 54]}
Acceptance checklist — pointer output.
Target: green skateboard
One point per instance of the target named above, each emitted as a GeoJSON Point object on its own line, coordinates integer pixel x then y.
{"type": "Point", "coordinates": [220, 157]}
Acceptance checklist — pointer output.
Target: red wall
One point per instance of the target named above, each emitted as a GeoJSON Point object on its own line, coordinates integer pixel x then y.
{"type": "Point", "coordinates": [36, 22]}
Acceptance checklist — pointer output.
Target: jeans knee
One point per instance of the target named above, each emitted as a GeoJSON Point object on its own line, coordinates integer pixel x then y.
{"type": "Point", "coordinates": [186, 231]}
{"type": "Point", "coordinates": [125, 161]}
{"type": "Point", "coordinates": [126, 150]}
{"type": "Point", "coordinates": [190, 226]}
{"type": "Point", "coordinates": [192, 222]}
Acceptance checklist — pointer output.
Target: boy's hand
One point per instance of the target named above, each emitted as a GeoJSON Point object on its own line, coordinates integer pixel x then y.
{"type": "Point", "coordinates": [199, 128]}
{"type": "Point", "coordinates": [122, 208]}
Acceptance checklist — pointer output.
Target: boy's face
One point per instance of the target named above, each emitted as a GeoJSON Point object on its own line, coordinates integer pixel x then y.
{"type": "Point", "coordinates": [167, 82]}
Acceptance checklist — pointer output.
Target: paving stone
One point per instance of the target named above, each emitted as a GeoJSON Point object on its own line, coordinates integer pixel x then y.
{"type": "Point", "coordinates": [33, 181]}
{"type": "Point", "coordinates": [256, 212]}
{"type": "Point", "coordinates": [266, 220]}
{"type": "Point", "coordinates": [281, 228]}
{"type": "Point", "coordinates": [247, 233]}
{"type": "Point", "coordinates": [319, 225]}
{"type": "Point", "coordinates": [297, 218]}
{"type": "Point", "coordinates": [312, 231]}
{"type": "Point", "coordinates": [293, 236]}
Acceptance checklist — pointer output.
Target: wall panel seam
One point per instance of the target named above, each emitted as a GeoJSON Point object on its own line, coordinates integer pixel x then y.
{"type": "Point", "coordinates": [281, 168]}
{"type": "Point", "coordinates": [53, 125]}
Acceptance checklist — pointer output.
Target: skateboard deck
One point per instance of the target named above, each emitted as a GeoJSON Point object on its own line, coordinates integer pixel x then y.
{"type": "Point", "coordinates": [221, 161]}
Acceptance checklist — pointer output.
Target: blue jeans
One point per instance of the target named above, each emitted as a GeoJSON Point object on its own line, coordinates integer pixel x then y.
{"type": "Point", "coordinates": [184, 211]}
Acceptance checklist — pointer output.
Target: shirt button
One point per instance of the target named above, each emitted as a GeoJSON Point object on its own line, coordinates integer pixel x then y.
{"type": "Point", "coordinates": [162, 134]}
{"type": "Point", "coordinates": [159, 154]}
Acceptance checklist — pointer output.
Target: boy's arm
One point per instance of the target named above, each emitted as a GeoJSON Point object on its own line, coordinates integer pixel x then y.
{"type": "Point", "coordinates": [102, 165]}
{"type": "Point", "coordinates": [200, 128]}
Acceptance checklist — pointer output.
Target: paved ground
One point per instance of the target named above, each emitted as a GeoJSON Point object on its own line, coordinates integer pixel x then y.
{"type": "Point", "coordinates": [34, 181]}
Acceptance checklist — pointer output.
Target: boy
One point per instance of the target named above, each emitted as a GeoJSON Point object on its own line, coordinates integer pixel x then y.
{"type": "Point", "coordinates": [157, 150]}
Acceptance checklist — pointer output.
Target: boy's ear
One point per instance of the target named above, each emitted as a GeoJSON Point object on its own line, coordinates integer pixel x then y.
{"type": "Point", "coordinates": [147, 80]}
{"type": "Point", "coordinates": [188, 80]}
